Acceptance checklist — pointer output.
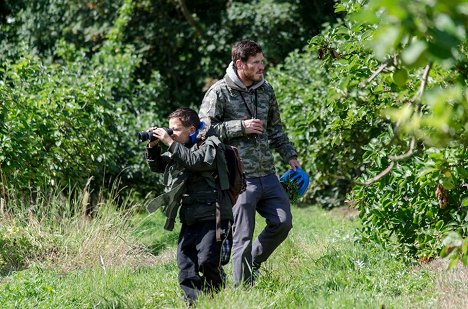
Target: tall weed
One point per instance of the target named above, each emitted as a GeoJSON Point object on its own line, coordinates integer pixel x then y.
{"type": "Point", "coordinates": [55, 228]}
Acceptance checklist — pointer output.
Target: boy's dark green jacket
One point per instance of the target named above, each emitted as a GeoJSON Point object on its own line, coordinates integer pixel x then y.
{"type": "Point", "coordinates": [192, 181]}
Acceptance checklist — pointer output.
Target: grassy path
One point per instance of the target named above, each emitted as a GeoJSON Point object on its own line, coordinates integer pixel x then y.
{"type": "Point", "coordinates": [318, 266]}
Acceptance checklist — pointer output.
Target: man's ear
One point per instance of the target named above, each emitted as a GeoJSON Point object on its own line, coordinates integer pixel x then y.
{"type": "Point", "coordinates": [239, 64]}
{"type": "Point", "coordinates": [192, 129]}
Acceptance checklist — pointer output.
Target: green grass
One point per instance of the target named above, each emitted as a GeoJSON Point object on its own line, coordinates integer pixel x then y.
{"type": "Point", "coordinates": [319, 266]}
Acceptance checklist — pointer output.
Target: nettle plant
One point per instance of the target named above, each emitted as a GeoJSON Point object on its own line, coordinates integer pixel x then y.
{"type": "Point", "coordinates": [376, 106]}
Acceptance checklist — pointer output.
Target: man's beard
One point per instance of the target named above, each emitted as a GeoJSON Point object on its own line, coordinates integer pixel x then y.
{"type": "Point", "coordinates": [255, 77]}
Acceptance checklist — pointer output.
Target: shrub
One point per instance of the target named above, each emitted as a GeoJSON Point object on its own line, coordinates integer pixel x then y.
{"type": "Point", "coordinates": [377, 107]}
{"type": "Point", "coordinates": [64, 122]}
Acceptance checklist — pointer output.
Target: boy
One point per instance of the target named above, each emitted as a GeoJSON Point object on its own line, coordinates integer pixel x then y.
{"type": "Point", "coordinates": [190, 167]}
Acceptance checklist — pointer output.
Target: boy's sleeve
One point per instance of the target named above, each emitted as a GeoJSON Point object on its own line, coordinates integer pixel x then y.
{"type": "Point", "coordinates": [154, 159]}
{"type": "Point", "coordinates": [202, 159]}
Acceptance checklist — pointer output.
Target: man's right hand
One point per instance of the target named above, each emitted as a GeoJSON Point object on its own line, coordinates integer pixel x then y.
{"type": "Point", "coordinates": [253, 126]}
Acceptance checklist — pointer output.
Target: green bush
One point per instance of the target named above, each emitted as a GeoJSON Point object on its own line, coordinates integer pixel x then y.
{"type": "Point", "coordinates": [418, 204]}
{"type": "Point", "coordinates": [187, 43]}
{"type": "Point", "coordinates": [374, 116]}
{"type": "Point", "coordinates": [430, 36]}
{"type": "Point", "coordinates": [328, 112]}
{"type": "Point", "coordinates": [53, 124]}
{"type": "Point", "coordinates": [77, 119]}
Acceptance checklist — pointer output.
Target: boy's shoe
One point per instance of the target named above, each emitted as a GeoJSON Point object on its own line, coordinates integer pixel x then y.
{"type": "Point", "coordinates": [190, 302]}
{"type": "Point", "coordinates": [223, 275]}
{"type": "Point", "coordinates": [255, 272]}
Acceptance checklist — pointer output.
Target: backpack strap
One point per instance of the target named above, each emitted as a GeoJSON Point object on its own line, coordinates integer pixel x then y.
{"type": "Point", "coordinates": [222, 166]}
{"type": "Point", "coordinates": [220, 162]}
{"type": "Point", "coordinates": [218, 220]}
{"type": "Point", "coordinates": [223, 180]}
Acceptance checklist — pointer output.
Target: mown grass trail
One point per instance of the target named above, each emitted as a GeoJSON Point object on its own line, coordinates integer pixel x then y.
{"type": "Point", "coordinates": [319, 266]}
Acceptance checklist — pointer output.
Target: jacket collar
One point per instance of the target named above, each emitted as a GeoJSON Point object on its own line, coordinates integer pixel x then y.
{"type": "Point", "coordinates": [233, 81]}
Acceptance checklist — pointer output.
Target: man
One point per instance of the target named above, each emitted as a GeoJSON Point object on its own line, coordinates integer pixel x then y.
{"type": "Point", "coordinates": [191, 169]}
{"type": "Point", "coordinates": [243, 111]}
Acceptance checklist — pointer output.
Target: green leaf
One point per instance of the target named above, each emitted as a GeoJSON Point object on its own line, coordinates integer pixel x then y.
{"type": "Point", "coordinates": [414, 53]}
{"type": "Point", "coordinates": [386, 38]}
{"type": "Point", "coordinates": [401, 115]}
{"type": "Point", "coordinates": [465, 260]}
{"type": "Point", "coordinates": [448, 183]}
{"type": "Point", "coordinates": [453, 261]}
{"type": "Point", "coordinates": [465, 202]}
{"type": "Point", "coordinates": [426, 171]}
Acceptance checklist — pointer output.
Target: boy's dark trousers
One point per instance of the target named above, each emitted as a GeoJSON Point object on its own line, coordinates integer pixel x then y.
{"type": "Point", "coordinates": [199, 252]}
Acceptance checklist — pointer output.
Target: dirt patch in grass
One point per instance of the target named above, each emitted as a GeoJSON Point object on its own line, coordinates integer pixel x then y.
{"type": "Point", "coordinates": [452, 285]}
{"type": "Point", "coordinates": [345, 212]}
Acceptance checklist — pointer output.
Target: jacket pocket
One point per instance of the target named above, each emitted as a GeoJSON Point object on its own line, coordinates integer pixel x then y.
{"type": "Point", "coordinates": [200, 197]}
{"type": "Point", "coordinates": [197, 207]}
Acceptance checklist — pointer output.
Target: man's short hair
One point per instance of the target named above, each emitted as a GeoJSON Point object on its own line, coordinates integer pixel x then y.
{"type": "Point", "coordinates": [244, 49]}
{"type": "Point", "coordinates": [187, 116]}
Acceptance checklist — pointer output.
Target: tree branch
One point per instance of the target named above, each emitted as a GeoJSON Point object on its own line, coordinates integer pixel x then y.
{"type": "Point", "coordinates": [188, 16]}
{"type": "Point", "coordinates": [391, 61]}
{"type": "Point", "coordinates": [409, 153]}
{"type": "Point", "coordinates": [422, 87]}
{"type": "Point", "coordinates": [374, 75]}
{"type": "Point", "coordinates": [393, 159]}
{"type": "Point", "coordinates": [381, 175]}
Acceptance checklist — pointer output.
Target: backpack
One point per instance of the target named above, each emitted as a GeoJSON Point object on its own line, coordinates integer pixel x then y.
{"type": "Point", "coordinates": [230, 170]}
{"type": "Point", "coordinates": [235, 172]}
{"type": "Point", "coordinates": [230, 175]}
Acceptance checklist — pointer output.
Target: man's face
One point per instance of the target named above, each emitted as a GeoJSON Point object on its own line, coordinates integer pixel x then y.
{"type": "Point", "coordinates": [252, 70]}
{"type": "Point", "coordinates": [181, 134]}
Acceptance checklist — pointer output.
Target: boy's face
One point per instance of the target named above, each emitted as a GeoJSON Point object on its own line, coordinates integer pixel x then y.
{"type": "Point", "coordinates": [181, 134]}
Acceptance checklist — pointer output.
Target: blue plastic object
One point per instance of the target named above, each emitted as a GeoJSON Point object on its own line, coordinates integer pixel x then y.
{"type": "Point", "coordinates": [193, 136]}
{"type": "Point", "coordinates": [299, 178]}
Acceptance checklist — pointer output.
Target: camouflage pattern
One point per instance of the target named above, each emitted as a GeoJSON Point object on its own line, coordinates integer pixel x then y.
{"type": "Point", "coordinates": [224, 109]}
{"type": "Point", "coordinates": [189, 176]}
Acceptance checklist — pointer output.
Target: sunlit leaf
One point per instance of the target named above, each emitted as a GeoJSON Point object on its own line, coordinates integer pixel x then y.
{"type": "Point", "coordinates": [413, 54]}
{"type": "Point", "coordinates": [386, 39]}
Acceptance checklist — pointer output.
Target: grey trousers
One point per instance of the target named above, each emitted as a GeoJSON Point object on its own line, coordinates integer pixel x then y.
{"type": "Point", "coordinates": [266, 196]}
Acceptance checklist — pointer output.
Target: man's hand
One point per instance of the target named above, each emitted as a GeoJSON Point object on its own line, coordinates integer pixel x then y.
{"type": "Point", "coordinates": [253, 126]}
{"type": "Point", "coordinates": [294, 163]}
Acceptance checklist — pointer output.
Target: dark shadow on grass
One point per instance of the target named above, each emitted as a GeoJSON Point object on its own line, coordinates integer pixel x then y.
{"type": "Point", "coordinates": [8, 269]}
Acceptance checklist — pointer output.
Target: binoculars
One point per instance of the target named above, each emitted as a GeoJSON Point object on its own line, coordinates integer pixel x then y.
{"type": "Point", "coordinates": [148, 135]}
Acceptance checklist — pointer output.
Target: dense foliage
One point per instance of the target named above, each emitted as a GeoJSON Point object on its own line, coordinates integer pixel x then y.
{"type": "Point", "coordinates": [65, 122]}
{"type": "Point", "coordinates": [83, 77]}
{"type": "Point", "coordinates": [430, 36]}
{"type": "Point", "coordinates": [188, 44]}
{"type": "Point", "coordinates": [377, 105]}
